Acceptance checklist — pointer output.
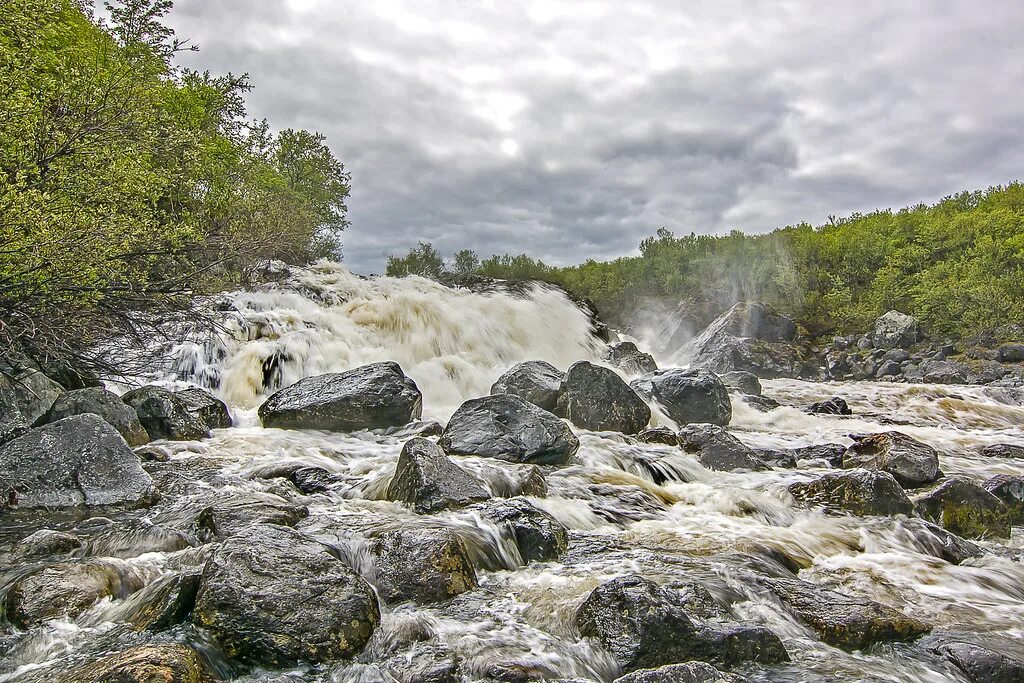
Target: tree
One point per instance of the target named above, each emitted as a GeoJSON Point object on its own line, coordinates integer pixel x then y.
{"type": "Point", "coordinates": [465, 262]}
{"type": "Point", "coordinates": [423, 260]}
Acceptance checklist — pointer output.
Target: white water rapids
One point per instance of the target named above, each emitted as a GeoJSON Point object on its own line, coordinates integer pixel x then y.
{"type": "Point", "coordinates": [704, 525]}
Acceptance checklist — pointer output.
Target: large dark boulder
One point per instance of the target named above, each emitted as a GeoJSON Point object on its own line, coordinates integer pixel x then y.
{"type": "Point", "coordinates": [861, 492]}
{"type": "Point", "coordinates": [912, 463]}
{"type": "Point", "coordinates": [538, 536]}
{"type": "Point", "coordinates": [1009, 489]}
{"type": "Point", "coordinates": [687, 396]}
{"type": "Point", "coordinates": [275, 597]}
{"type": "Point", "coordinates": [845, 621]}
{"type": "Point", "coordinates": [594, 397]}
{"type": "Point", "coordinates": [79, 460]}
{"type": "Point", "coordinates": [628, 358]}
{"type": "Point", "coordinates": [66, 590]}
{"type": "Point", "coordinates": [210, 410]}
{"type": "Point", "coordinates": [965, 508]}
{"type": "Point", "coordinates": [429, 481]}
{"type": "Point", "coordinates": [33, 391]}
{"type": "Point", "coordinates": [107, 405]}
{"type": "Point", "coordinates": [165, 415]}
{"type": "Point", "coordinates": [645, 625]}
{"type": "Point", "coordinates": [895, 330]}
{"type": "Point", "coordinates": [374, 396]}
{"type": "Point", "coordinates": [743, 382]}
{"type": "Point", "coordinates": [421, 565]}
{"type": "Point", "coordinates": [153, 663]}
{"type": "Point", "coordinates": [538, 382]}
{"type": "Point", "coordinates": [981, 657]}
{"type": "Point", "coordinates": [508, 427]}
{"type": "Point", "coordinates": [750, 337]}
{"type": "Point", "coordinates": [719, 450]}
{"type": "Point", "coordinates": [690, 672]}
{"type": "Point", "coordinates": [831, 406]}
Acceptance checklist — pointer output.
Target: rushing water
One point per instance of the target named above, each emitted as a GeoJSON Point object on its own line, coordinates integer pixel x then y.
{"type": "Point", "coordinates": [715, 527]}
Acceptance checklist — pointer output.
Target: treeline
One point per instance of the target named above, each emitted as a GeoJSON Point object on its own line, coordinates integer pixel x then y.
{"type": "Point", "coordinates": [129, 184]}
{"type": "Point", "coordinates": [957, 265]}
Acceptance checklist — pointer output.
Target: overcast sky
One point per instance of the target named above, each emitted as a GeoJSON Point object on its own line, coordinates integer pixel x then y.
{"type": "Point", "coordinates": [571, 130]}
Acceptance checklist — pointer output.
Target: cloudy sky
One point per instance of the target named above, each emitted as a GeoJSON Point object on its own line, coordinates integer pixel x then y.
{"type": "Point", "coordinates": [572, 129]}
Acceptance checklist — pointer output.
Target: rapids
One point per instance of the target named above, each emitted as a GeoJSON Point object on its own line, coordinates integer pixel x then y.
{"type": "Point", "coordinates": [716, 527]}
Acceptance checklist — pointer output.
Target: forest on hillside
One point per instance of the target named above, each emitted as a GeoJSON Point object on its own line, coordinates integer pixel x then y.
{"type": "Point", "coordinates": [957, 265]}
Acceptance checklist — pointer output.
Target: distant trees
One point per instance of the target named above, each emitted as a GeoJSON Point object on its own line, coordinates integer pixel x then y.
{"type": "Point", "coordinates": [127, 185]}
{"type": "Point", "coordinates": [423, 260]}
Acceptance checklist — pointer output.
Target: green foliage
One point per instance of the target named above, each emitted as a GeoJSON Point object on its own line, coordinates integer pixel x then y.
{"type": "Point", "coordinates": [127, 184]}
{"type": "Point", "coordinates": [423, 260]}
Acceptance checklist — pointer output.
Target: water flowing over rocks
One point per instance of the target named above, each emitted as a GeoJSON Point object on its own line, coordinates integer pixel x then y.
{"type": "Point", "coordinates": [538, 382]}
{"type": "Point", "coordinates": [1009, 489]}
{"type": "Point", "coordinates": [373, 396]}
{"type": "Point", "coordinates": [509, 428]}
{"type": "Point", "coordinates": [691, 672]}
{"type": "Point", "coordinates": [421, 565]}
{"type": "Point", "coordinates": [912, 463]}
{"type": "Point", "coordinates": [170, 663]}
{"type": "Point", "coordinates": [981, 658]}
{"type": "Point", "coordinates": [107, 405]}
{"type": "Point", "coordinates": [965, 508]}
{"type": "Point", "coordinates": [79, 460]}
{"type": "Point", "coordinates": [165, 415]}
{"type": "Point", "coordinates": [687, 395]}
{"type": "Point", "coordinates": [719, 450]}
{"type": "Point", "coordinates": [538, 536]}
{"type": "Point", "coordinates": [429, 481]}
{"type": "Point", "coordinates": [66, 589]}
{"type": "Point", "coordinates": [860, 492]}
{"type": "Point", "coordinates": [276, 597]}
{"type": "Point", "coordinates": [596, 398]}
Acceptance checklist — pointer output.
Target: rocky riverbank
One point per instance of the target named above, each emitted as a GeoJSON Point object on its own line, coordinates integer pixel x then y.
{"type": "Point", "coordinates": [590, 517]}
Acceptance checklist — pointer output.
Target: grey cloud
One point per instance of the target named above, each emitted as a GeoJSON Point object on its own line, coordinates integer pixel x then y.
{"type": "Point", "coordinates": [626, 117]}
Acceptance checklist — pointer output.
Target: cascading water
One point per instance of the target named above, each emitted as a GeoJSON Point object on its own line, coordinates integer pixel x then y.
{"type": "Point", "coordinates": [630, 507]}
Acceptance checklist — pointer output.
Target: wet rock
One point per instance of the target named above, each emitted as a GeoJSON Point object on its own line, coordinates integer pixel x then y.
{"type": "Point", "coordinates": [690, 672]}
{"type": "Point", "coordinates": [1003, 450]}
{"type": "Point", "coordinates": [761, 403]}
{"type": "Point", "coordinates": [743, 382]}
{"type": "Point", "coordinates": [312, 480]}
{"type": "Point", "coordinates": [749, 337]}
{"type": "Point", "coordinates": [687, 396]}
{"type": "Point", "coordinates": [913, 464]}
{"type": "Point", "coordinates": [832, 453]}
{"type": "Point", "coordinates": [422, 428]}
{"type": "Point", "coordinates": [538, 535]}
{"type": "Point", "coordinates": [156, 663]}
{"type": "Point", "coordinates": [421, 565]}
{"type": "Point", "coordinates": [719, 450]}
{"type": "Point", "coordinates": [982, 658]}
{"type": "Point", "coordinates": [12, 422]}
{"type": "Point", "coordinates": [165, 415]}
{"type": "Point", "coordinates": [645, 625]}
{"type": "Point", "coordinates": [1009, 489]}
{"type": "Point", "coordinates": [658, 435]}
{"type": "Point", "coordinates": [1010, 353]}
{"type": "Point", "coordinates": [131, 540]}
{"type": "Point", "coordinates": [210, 410]}
{"type": "Point", "coordinates": [273, 596]}
{"type": "Point", "coordinates": [628, 358]}
{"type": "Point", "coordinates": [538, 382]}
{"type": "Point", "coordinates": [888, 368]}
{"type": "Point", "coordinates": [46, 542]}
{"type": "Point", "coordinates": [936, 541]}
{"type": "Point", "coordinates": [79, 460]}
{"type": "Point", "coordinates": [510, 428]}
{"type": "Point", "coordinates": [937, 372]}
{"type": "Point", "coordinates": [527, 480]}
{"type": "Point", "coordinates": [596, 398]}
{"type": "Point", "coordinates": [860, 492]}
{"type": "Point", "coordinates": [429, 481]}
{"type": "Point", "coordinates": [965, 508]}
{"type": "Point", "coordinates": [832, 406]}
{"type": "Point", "coordinates": [236, 513]}
{"type": "Point", "coordinates": [65, 589]}
{"type": "Point", "coordinates": [162, 604]}
{"type": "Point", "coordinates": [374, 396]}
{"type": "Point", "coordinates": [895, 330]}
{"type": "Point", "coordinates": [107, 405]}
{"type": "Point", "coordinates": [426, 664]}
{"type": "Point", "coordinates": [33, 391]}
{"type": "Point", "coordinates": [845, 621]}
{"type": "Point", "coordinates": [775, 457]}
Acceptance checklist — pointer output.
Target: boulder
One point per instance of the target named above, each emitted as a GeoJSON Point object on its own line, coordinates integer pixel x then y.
{"type": "Point", "coordinates": [162, 604]}
{"type": "Point", "coordinates": [832, 406]}
{"type": "Point", "coordinates": [628, 358]}
{"type": "Point", "coordinates": [275, 597]}
{"type": "Point", "coordinates": [981, 657]}
{"type": "Point", "coordinates": [645, 625]}
{"type": "Point", "coordinates": [913, 464]}
{"type": "Point", "coordinates": [421, 565]}
{"type": "Point", "coordinates": [687, 396]}
{"type": "Point", "coordinates": [33, 391]}
{"type": "Point", "coordinates": [750, 337]}
{"type": "Point", "coordinates": [538, 536]}
{"type": "Point", "coordinates": [842, 620]}
{"type": "Point", "coordinates": [79, 460]}
{"type": "Point", "coordinates": [312, 480]}
{"type": "Point", "coordinates": [690, 672]}
{"type": "Point", "coordinates": [153, 663]}
{"type": "Point", "coordinates": [937, 372]}
{"type": "Point", "coordinates": [1009, 489]}
{"type": "Point", "coordinates": [743, 382]}
{"type": "Point", "coordinates": [965, 508]}
{"type": "Point", "coordinates": [65, 590]}
{"type": "Point", "coordinates": [107, 405]}
{"type": "Point", "coordinates": [210, 410]}
{"type": "Point", "coordinates": [12, 422]}
{"type": "Point", "coordinates": [895, 330]}
{"type": "Point", "coordinates": [429, 481]}
{"type": "Point", "coordinates": [658, 435]}
{"type": "Point", "coordinates": [165, 415]}
{"type": "Point", "coordinates": [936, 541]}
{"type": "Point", "coordinates": [538, 382]}
{"type": "Point", "coordinates": [832, 453]}
{"type": "Point", "coordinates": [510, 428]}
{"type": "Point", "coordinates": [46, 542]}
{"type": "Point", "coordinates": [860, 492]}
{"type": "Point", "coordinates": [775, 457]}
{"type": "Point", "coordinates": [1010, 353]}
{"type": "Point", "coordinates": [1003, 450]}
{"type": "Point", "coordinates": [235, 513]}
{"type": "Point", "coordinates": [374, 396]}
{"type": "Point", "coordinates": [719, 450]}
{"type": "Point", "coordinates": [594, 397]}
